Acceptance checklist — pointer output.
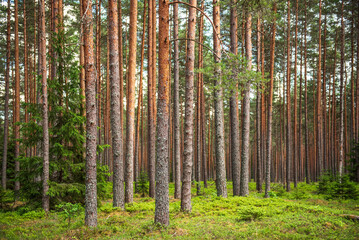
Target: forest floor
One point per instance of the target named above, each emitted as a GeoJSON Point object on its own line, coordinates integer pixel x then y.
{"type": "Point", "coordinates": [300, 214]}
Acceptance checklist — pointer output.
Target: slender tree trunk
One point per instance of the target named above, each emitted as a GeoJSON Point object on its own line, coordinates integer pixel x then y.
{"type": "Point", "coordinates": [188, 137]}
{"type": "Point", "coordinates": [116, 126]}
{"type": "Point", "coordinates": [130, 110]}
{"type": "Point", "coordinates": [45, 122]}
{"type": "Point", "coordinates": [324, 103]}
{"type": "Point", "coordinates": [139, 104]}
{"type": "Point", "coordinates": [199, 105]}
{"type": "Point", "coordinates": [295, 143]}
{"type": "Point", "coordinates": [176, 111]}
{"type": "Point", "coordinates": [258, 123]}
{"type": "Point", "coordinates": [17, 97]}
{"type": "Point", "coordinates": [357, 96]}
{"type": "Point", "coordinates": [300, 177]}
{"type": "Point", "coordinates": [26, 74]}
{"type": "Point", "coordinates": [150, 107]}
{"type": "Point", "coordinates": [162, 192]}
{"type": "Point", "coordinates": [307, 175]}
{"type": "Point", "coordinates": [91, 125]}
{"type": "Point", "coordinates": [221, 182]}
{"type": "Point", "coordinates": [270, 107]}
{"type": "Point", "coordinates": [6, 110]}
{"type": "Point", "coordinates": [98, 71]}
{"type": "Point", "coordinates": [204, 152]}
{"type": "Point", "coordinates": [341, 100]}
{"type": "Point", "coordinates": [352, 96]}
{"type": "Point", "coordinates": [235, 151]}
{"type": "Point", "coordinates": [319, 143]}
{"type": "Point", "coordinates": [289, 121]}
{"type": "Point", "coordinates": [244, 190]}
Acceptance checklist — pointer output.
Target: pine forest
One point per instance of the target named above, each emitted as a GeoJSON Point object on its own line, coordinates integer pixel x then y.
{"type": "Point", "coordinates": [193, 119]}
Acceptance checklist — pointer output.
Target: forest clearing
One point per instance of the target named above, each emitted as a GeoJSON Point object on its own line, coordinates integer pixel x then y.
{"type": "Point", "coordinates": [208, 119]}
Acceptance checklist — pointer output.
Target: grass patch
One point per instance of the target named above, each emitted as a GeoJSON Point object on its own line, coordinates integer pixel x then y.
{"type": "Point", "coordinates": [300, 214]}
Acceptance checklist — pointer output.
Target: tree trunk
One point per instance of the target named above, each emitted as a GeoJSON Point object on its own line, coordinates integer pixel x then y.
{"type": "Point", "coordinates": [235, 151]}
{"type": "Point", "coordinates": [221, 182]}
{"type": "Point", "coordinates": [188, 137]}
{"type": "Point", "coordinates": [139, 104]}
{"type": "Point", "coordinates": [26, 74]}
{"type": "Point", "coordinates": [244, 190]}
{"type": "Point", "coordinates": [324, 104]}
{"type": "Point", "coordinates": [295, 143]}
{"type": "Point", "coordinates": [6, 110]}
{"type": "Point", "coordinates": [199, 105]}
{"type": "Point", "coordinates": [341, 100]}
{"type": "Point", "coordinates": [176, 110]}
{"type": "Point", "coordinates": [17, 97]}
{"type": "Point", "coordinates": [319, 143]}
{"type": "Point", "coordinates": [258, 123]}
{"type": "Point", "coordinates": [270, 107]}
{"type": "Point", "coordinates": [150, 116]}
{"type": "Point", "coordinates": [130, 110]}
{"type": "Point", "coordinates": [307, 175]}
{"type": "Point", "coordinates": [45, 123]}
{"type": "Point", "coordinates": [116, 127]}
{"type": "Point", "coordinates": [91, 124]}
{"type": "Point", "coordinates": [162, 192]}
{"type": "Point", "coordinates": [289, 123]}
{"type": "Point", "coordinates": [98, 71]}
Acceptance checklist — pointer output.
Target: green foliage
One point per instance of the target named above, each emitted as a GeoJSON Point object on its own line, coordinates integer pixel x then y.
{"type": "Point", "coordinates": [353, 166]}
{"type": "Point", "coordinates": [69, 210]}
{"type": "Point", "coordinates": [278, 189]}
{"type": "Point", "coordinates": [212, 217]}
{"type": "Point", "coordinates": [143, 184]}
{"type": "Point", "coordinates": [333, 187]}
{"type": "Point", "coordinates": [66, 133]}
{"type": "Point", "coordinates": [6, 197]}
{"type": "Point", "coordinates": [251, 213]}
{"type": "Point", "coordinates": [234, 74]}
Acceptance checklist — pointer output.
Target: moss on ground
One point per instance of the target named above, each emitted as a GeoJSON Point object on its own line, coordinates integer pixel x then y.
{"type": "Point", "coordinates": [300, 214]}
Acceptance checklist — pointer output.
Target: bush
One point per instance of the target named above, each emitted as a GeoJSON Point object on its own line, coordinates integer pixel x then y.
{"type": "Point", "coordinates": [337, 187]}
{"type": "Point", "coordinates": [143, 184]}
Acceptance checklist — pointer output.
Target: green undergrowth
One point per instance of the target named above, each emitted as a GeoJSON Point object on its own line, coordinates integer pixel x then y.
{"type": "Point", "coordinates": [300, 214]}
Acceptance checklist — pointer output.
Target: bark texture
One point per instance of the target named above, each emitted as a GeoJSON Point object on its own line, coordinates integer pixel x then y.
{"type": "Point", "coordinates": [221, 182]}
{"type": "Point", "coordinates": [188, 136]}
{"type": "Point", "coordinates": [244, 191]}
{"type": "Point", "coordinates": [235, 151]}
{"type": "Point", "coordinates": [270, 107]}
{"type": "Point", "coordinates": [17, 96]}
{"type": "Point", "coordinates": [162, 192]}
{"type": "Point", "coordinates": [115, 115]}
{"type": "Point", "coordinates": [91, 114]}
{"type": "Point", "coordinates": [289, 121]}
{"type": "Point", "coordinates": [176, 110]}
{"type": "Point", "coordinates": [6, 110]}
{"type": "Point", "coordinates": [130, 111]}
{"type": "Point", "coordinates": [45, 123]}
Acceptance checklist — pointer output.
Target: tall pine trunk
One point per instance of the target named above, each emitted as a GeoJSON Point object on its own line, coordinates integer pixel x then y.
{"type": "Point", "coordinates": [235, 151]}
{"type": "Point", "coordinates": [6, 110]}
{"type": "Point", "coordinates": [130, 110]}
{"type": "Point", "coordinates": [176, 110]}
{"type": "Point", "coordinates": [162, 192]}
{"type": "Point", "coordinates": [289, 123]}
{"type": "Point", "coordinates": [116, 127]}
{"type": "Point", "coordinates": [221, 182]}
{"type": "Point", "coordinates": [91, 124]}
{"type": "Point", "coordinates": [341, 100]}
{"type": "Point", "coordinates": [188, 136]}
{"type": "Point", "coordinates": [270, 107]}
{"type": "Point", "coordinates": [244, 189]}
